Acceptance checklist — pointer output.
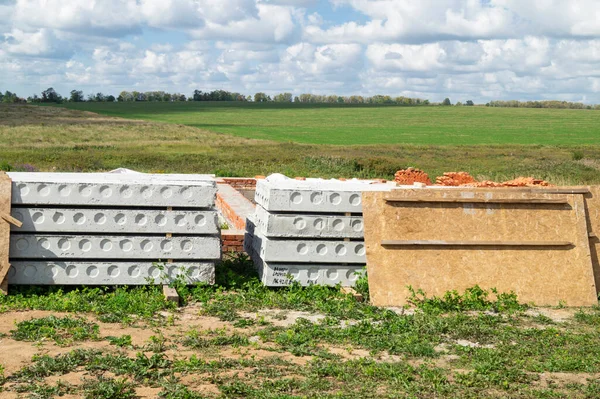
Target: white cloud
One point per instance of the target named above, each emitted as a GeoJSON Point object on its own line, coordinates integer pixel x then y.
{"type": "Point", "coordinates": [465, 49]}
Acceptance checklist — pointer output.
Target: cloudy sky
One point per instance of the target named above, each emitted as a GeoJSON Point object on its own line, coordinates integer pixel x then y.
{"type": "Point", "coordinates": [469, 49]}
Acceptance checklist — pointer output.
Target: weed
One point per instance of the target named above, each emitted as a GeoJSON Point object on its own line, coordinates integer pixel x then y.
{"type": "Point", "coordinates": [63, 330]}
{"type": "Point", "coordinates": [108, 388]}
{"type": "Point", "coordinates": [474, 298]}
{"type": "Point", "coordinates": [122, 304]}
{"type": "Point", "coordinates": [124, 341]}
{"type": "Point", "coordinates": [362, 284]}
{"type": "Point", "coordinates": [195, 340]}
{"type": "Point", "coordinates": [156, 343]}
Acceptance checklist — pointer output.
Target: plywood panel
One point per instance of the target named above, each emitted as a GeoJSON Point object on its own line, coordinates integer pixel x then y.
{"type": "Point", "coordinates": [592, 203]}
{"type": "Point", "coordinates": [5, 195]}
{"type": "Point", "coordinates": [539, 274]}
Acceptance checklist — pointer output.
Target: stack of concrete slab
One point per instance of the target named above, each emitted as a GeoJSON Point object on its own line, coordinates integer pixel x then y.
{"type": "Point", "coordinates": [113, 228]}
{"type": "Point", "coordinates": [310, 231]}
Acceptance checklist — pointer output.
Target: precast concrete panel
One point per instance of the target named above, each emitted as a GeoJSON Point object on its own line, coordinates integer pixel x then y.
{"type": "Point", "coordinates": [283, 274]}
{"type": "Point", "coordinates": [281, 194]}
{"type": "Point", "coordinates": [107, 221]}
{"type": "Point", "coordinates": [307, 225]}
{"type": "Point", "coordinates": [308, 251]}
{"type": "Point", "coordinates": [114, 273]}
{"type": "Point", "coordinates": [39, 246]}
{"type": "Point", "coordinates": [130, 193]}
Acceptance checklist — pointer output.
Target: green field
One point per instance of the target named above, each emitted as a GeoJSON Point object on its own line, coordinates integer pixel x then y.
{"type": "Point", "coordinates": [57, 138]}
{"type": "Point", "coordinates": [350, 125]}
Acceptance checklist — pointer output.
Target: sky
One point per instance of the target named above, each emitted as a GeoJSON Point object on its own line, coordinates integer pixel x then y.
{"type": "Point", "coordinates": [476, 50]}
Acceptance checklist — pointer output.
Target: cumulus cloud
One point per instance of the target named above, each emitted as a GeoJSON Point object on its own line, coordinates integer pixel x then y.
{"type": "Point", "coordinates": [466, 49]}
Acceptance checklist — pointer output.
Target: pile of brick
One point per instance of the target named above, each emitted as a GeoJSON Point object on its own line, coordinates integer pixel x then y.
{"type": "Point", "coordinates": [453, 179]}
{"type": "Point", "coordinates": [410, 176]}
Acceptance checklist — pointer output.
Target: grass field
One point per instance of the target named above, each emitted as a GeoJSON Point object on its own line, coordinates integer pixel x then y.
{"type": "Point", "coordinates": [53, 138]}
{"type": "Point", "coordinates": [352, 125]}
{"type": "Point", "coordinates": [239, 339]}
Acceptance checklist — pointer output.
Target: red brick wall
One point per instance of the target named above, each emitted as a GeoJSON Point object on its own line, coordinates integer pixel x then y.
{"type": "Point", "coordinates": [237, 221]}
{"type": "Point", "coordinates": [232, 242]}
{"type": "Point", "coordinates": [244, 183]}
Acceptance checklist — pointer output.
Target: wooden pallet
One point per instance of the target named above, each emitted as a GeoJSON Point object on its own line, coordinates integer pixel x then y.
{"type": "Point", "coordinates": [5, 221]}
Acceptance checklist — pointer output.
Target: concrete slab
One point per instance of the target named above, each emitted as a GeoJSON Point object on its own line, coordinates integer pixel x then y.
{"type": "Point", "coordinates": [279, 193]}
{"type": "Point", "coordinates": [115, 176]}
{"type": "Point", "coordinates": [308, 251]}
{"type": "Point", "coordinates": [36, 246]}
{"type": "Point", "coordinates": [106, 221]}
{"type": "Point", "coordinates": [283, 274]}
{"type": "Point", "coordinates": [308, 225]}
{"type": "Point", "coordinates": [130, 193]}
{"type": "Point", "coordinates": [112, 273]}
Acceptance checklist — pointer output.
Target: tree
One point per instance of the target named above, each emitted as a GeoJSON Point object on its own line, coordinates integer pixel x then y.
{"type": "Point", "coordinates": [51, 96]}
{"type": "Point", "coordinates": [260, 98]}
{"type": "Point", "coordinates": [446, 101]}
{"type": "Point", "coordinates": [283, 98]}
{"type": "Point", "coordinates": [125, 96]}
{"type": "Point", "coordinates": [76, 96]}
{"type": "Point", "coordinates": [110, 99]}
{"type": "Point", "coordinates": [469, 103]}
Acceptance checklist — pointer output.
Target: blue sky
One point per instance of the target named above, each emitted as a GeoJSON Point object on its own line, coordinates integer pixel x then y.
{"type": "Point", "coordinates": [469, 49]}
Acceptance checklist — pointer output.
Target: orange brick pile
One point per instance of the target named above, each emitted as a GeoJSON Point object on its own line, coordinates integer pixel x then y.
{"type": "Point", "coordinates": [454, 179]}
{"type": "Point", "coordinates": [411, 175]}
{"type": "Point", "coordinates": [464, 179]}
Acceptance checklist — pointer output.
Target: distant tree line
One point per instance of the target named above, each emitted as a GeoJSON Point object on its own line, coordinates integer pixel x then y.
{"type": "Point", "coordinates": [541, 104]}
{"type": "Point", "coordinates": [51, 96]}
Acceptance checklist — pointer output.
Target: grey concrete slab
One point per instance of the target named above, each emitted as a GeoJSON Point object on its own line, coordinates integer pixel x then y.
{"type": "Point", "coordinates": [115, 176]}
{"type": "Point", "coordinates": [279, 193]}
{"type": "Point", "coordinates": [308, 225]}
{"type": "Point", "coordinates": [128, 193]}
{"type": "Point", "coordinates": [108, 273]}
{"type": "Point", "coordinates": [44, 246]}
{"type": "Point", "coordinates": [107, 221]}
{"type": "Point", "coordinates": [308, 251]}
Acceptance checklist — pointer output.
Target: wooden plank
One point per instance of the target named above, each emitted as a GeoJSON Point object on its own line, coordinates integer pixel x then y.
{"type": "Point", "coordinates": [5, 197]}
{"type": "Point", "coordinates": [592, 207]}
{"type": "Point", "coordinates": [170, 294]}
{"type": "Point", "coordinates": [11, 219]}
{"type": "Point", "coordinates": [544, 275]}
{"type": "Point", "coordinates": [482, 200]}
{"type": "Point", "coordinates": [397, 243]}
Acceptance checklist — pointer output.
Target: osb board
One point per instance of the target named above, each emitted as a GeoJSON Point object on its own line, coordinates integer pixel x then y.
{"type": "Point", "coordinates": [542, 275]}
{"type": "Point", "coordinates": [5, 196]}
{"type": "Point", "coordinates": [592, 203]}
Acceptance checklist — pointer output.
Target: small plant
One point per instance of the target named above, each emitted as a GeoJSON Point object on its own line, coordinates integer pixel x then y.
{"type": "Point", "coordinates": [474, 298]}
{"type": "Point", "coordinates": [577, 155]}
{"type": "Point", "coordinates": [124, 341]}
{"type": "Point", "coordinates": [108, 388]}
{"type": "Point", "coordinates": [224, 226]}
{"type": "Point", "coordinates": [195, 340]}
{"type": "Point", "coordinates": [362, 284]}
{"type": "Point", "coordinates": [63, 330]}
{"type": "Point", "coordinates": [156, 343]}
